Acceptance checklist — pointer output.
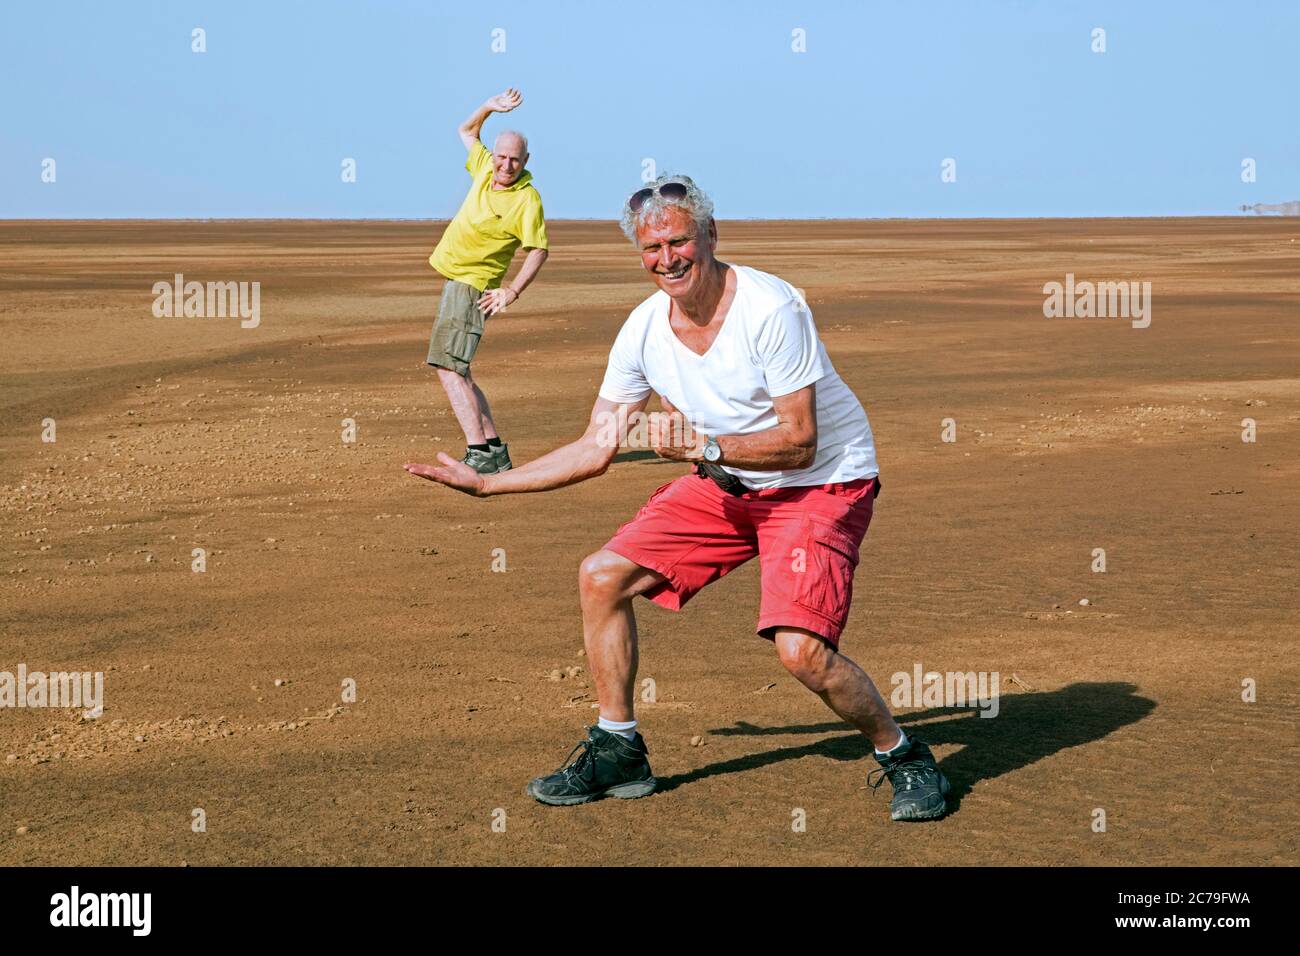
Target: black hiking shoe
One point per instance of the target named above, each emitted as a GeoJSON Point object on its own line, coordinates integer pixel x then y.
{"type": "Point", "coordinates": [920, 787]}
{"type": "Point", "coordinates": [609, 766]}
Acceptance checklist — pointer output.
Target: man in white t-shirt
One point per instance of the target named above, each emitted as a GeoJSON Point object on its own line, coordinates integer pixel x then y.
{"type": "Point", "coordinates": [785, 472]}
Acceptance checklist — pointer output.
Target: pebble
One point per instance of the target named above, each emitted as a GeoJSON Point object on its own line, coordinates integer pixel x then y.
{"type": "Point", "coordinates": [139, 738]}
{"type": "Point", "coordinates": [23, 831]}
{"type": "Point", "coordinates": [280, 682]}
{"type": "Point", "coordinates": [697, 741]}
{"type": "Point", "coordinates": [1084, 602]}
{"type": "Point", "coordinates": [554, 675]}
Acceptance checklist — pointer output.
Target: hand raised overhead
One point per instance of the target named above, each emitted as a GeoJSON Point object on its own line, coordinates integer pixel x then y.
{"type": "Point", "coordinates": [505, 102]}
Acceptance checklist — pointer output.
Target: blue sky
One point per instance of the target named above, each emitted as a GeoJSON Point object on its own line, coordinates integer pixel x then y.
{"type": "Point", "coordinates": [856, 126]}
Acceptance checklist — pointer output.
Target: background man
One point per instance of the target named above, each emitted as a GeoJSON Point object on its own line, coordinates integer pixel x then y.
{"type": "Point", "coordinates": [501, 212]}
{"type": "Point", "coordinates": [786, 473]}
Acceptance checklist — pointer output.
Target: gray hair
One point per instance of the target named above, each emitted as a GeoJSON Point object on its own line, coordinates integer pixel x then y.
{"type": "Point", "coordinates": [695, 202]}
{"type": "Point", "coordinates": [511, 132]}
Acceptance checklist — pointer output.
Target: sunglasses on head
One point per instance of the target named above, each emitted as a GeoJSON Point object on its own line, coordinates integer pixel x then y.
{"type": "Point", "coordinates": [667, 191]}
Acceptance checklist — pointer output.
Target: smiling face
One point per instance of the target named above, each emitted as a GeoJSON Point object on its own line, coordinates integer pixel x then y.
{"type": "Point", "coordinates": [676, 253]}
{"type": "Point", "coordinates": [509, 157]}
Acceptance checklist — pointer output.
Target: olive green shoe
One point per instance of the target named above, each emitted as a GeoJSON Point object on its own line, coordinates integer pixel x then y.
{"type": "Point", "coordinates": [484, 462]}
{"type": "Point", "coordinates": [502, 452]}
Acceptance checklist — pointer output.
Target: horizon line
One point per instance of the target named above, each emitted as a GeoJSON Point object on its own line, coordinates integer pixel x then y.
{"type": "Point", "coordinates": [1240, 214]}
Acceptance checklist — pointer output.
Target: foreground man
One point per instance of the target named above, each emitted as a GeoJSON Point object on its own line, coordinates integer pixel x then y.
{"type": "Point", "coordinates": [501, 213]}
{"type": "Point", "coordinates": [785, 472]}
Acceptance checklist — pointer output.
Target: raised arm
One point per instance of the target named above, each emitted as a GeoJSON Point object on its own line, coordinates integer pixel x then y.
{"type": "Point", "coordinates": [501, 103]}
{"type": "Point", "coordinates": [569, 464]}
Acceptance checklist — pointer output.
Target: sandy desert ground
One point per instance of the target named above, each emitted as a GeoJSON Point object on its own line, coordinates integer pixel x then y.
{"type": "Point", "coordinates": [326, 561]}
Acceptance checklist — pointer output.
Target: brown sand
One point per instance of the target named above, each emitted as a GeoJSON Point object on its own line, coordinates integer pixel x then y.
{"type": "Point", "coordinates": [328, 562]}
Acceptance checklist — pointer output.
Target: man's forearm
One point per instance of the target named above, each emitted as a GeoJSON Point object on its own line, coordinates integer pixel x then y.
{"type": "Point", "coordinates": [533, 263]}
{"type": "Point", "coordinates": [772, 449]}
{"type": "Point", "coordinates": [789, 445]}
{"type": "Point", "coordinates": [567, 465]}
{"type": "Point", "coordinates": [474, 125]}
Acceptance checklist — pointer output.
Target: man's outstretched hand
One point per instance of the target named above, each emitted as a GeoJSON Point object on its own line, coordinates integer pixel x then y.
{"type": "Point", "coordinates": [452, 473]}
{"type": "Point", "coordinates": [505, 102]}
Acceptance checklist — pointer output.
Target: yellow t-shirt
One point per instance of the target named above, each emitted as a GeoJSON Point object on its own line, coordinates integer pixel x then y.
{"type": "Point", "coordinates": [492, 223]}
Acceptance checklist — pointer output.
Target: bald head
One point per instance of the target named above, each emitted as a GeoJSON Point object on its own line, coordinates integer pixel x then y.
{"type": "Point", "coordinates": [511, 137]}
{"type": "Point", "coordinates": [509, 157]}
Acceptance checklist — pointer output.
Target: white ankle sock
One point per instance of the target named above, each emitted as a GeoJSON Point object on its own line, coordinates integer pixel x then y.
{"type": "Point", "coordinates": [624, 728]}
{"type": "Point", "coordinates": [902, 739]}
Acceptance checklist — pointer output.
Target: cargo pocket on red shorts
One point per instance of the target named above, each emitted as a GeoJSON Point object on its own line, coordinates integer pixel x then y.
{"type": "Point", "coordinates": [826, 587]}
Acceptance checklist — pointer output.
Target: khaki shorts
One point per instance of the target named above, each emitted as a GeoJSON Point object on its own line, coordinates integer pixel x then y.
{"type": "Point", "coordinates": [457, 329]}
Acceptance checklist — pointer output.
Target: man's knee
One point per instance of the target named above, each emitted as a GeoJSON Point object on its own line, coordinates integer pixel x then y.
{"type": "Point", "coordinates": [604, 575]}
{"type": "Point", "coordinates": [450, 378]}
{"type": "Point", "coordinates": [805, 655]}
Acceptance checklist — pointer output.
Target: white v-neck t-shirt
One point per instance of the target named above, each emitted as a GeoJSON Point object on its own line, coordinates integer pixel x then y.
{"type": "Point", "coordinates": [767, 347]}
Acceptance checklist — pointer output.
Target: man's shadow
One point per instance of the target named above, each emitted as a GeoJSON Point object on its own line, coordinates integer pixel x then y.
{"type": "Point", "coordinates": [643, 454]}
{"type": "Point", "coordinates": [1027, 728]}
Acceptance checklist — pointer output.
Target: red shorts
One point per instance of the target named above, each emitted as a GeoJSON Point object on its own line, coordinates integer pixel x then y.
{"type": "Point", "coordinates": [806, 540]}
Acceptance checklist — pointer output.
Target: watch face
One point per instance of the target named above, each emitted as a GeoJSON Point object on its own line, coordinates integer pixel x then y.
{"type": "Point", "coordinates": [712, 451]}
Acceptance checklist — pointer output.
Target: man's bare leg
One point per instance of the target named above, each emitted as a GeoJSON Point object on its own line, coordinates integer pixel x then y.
{"type": "Point", "coordinates": [842, 684]}
{"type": "Point", "coordinates": [484, 410]}
{"type": "Point", "coordinates": [607, 583]}
{"type": "Point", "coordinates": [920, 793]}
{"type": "Point", "coordinates": [461, 392]}
{"type": "Point", "coordinates": [613, 765]}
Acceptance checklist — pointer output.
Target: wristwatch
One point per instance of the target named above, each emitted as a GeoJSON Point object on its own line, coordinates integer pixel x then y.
{"type": "Point", "coordinates": [712, 450]}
